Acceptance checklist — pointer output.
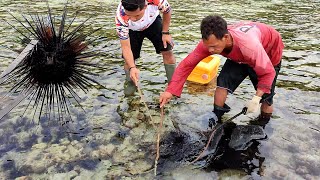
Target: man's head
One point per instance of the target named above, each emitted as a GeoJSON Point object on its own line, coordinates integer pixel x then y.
{"type": "Point", "coordinates": [134, 9]}
{"type": "Point", "coordinates": [215, 34]}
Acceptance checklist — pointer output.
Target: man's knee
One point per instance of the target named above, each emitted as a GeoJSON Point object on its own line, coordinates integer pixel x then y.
{"type": "Point", "coordinates": [220, 96]}
{"type": "Point", "coordinates": [168, 57]}
{"type": "Point", "coordinates": [266, 108]}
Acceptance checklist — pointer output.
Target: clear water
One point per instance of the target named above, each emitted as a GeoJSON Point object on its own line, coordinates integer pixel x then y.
{"type": "Point", "coordinates": [90, 148]}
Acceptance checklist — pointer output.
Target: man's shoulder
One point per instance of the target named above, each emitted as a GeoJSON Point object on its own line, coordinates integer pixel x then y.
{"type": "Point", "coordinates": [121, 15]}
{"type": "Point", "coordinates": [156, 2]}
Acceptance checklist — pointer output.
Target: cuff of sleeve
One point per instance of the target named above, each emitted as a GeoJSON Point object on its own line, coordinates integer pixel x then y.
{"type": "Point", "coordinates": [175, 93]}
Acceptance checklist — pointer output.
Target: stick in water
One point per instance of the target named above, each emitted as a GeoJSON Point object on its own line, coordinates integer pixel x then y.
{"type": "Point", "coordinates": [158, 143]}
{"type": "Point", "coordinates": [159, 130]}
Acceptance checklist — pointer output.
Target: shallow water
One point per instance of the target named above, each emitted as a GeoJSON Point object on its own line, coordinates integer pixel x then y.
{"type": "Point", "coordinates": [90, 147]}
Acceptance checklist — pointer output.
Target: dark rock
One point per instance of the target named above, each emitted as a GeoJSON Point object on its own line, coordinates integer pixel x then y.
{"type": "Point", "coordinates": [242, 136]}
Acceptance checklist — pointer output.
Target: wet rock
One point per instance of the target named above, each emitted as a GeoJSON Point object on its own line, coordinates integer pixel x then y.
{"type": "Point", "coordinates": [242, 136]}
{"type": "Point", "coordinates": [95, 154]}
{"type": "Point", "coordinates": [221, 154]}
{"type": "Point", "coordinates": [106, 150]}
{"type": "Point", "coordinates": [73, 151]}
{"type": "Point", "coordinates": [2, 133]}
{"type": "Point", "coordinates": [140, 116]}
{"type": "Point", "coordinates": [126, 152]}
{"type": "Point", "coordinates": [177, 146]}
{"type": "Point", "coordinates": [39, 146]}
{"type": "Point", "coordinates": [307, 164]}
{"type": "Point", "coordinates": [138, 167]}
{"type": "Point", "coordinates": [85, 174]}
{"type": "Point", "coordinates": [77, 169]}
{"type": "Point", "coordinates": [23, 178]}
{"type": "Point", "coordinates": [106, 163]}
{"type": "Point", "coordinates": [122, 134]}
{"type": "Point", "coordinates": [29, 165]}
{"type": "Point", "coordinates": [214, 142]}
{"type": "Point", "coordinates": [280, 173]}
{"type": "Point", "coordinates": [28, 168]}
{"type": "Point", "coordinates": [57, 149]}
{"type": "Point", "coordinates": [64, 142]}
{"type": "Point", "coordinates": [23, 136]}
{"type": "Point", "coordinates": [69, 175]}
{"type": "Point", "coordinates": [74, 142]}
{"type": "Point", "coordinates": [302, 170]}
{"type": "Point", "coordinates": [100, 175]}
{"type": "Point", "coordinates": [190, 173]}
{"type": "Point", "coordinates": [132, 123]}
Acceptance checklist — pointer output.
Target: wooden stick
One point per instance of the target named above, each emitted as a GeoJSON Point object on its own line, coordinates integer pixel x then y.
{"type": "Point", "coordinates": [158, 143]}
{"type": "Point", "coordinates": [159, 130]}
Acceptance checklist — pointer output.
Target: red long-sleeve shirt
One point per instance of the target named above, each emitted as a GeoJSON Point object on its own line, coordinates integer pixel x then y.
{"type": "Point", "coordinates": [256, 44]}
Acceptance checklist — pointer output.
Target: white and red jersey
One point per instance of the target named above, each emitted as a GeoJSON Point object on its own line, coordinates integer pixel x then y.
{"type": "Point", "coordinates": [123, 24]}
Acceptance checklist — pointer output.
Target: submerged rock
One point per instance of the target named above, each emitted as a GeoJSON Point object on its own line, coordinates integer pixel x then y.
{"type": "Point", "coordinates": [242, 136]}
{"type": "Point", "coordinates": [238, 148]}
{"type": "Point", "coordinates": [177, 146]}
{"type": "Point", "coordinates": [231, 147]}
{"type": "Point", "coordinates": [212, 148]}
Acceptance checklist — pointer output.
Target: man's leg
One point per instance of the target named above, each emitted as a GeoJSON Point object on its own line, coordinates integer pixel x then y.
{"type": "Point", "coordinates": [219, 107]}
{"type": "Point", "coordinates": [220, 96]}
{"type": "Point", "coordinates": [154, 34]}
{"type": "Point", "coordinates": [230, 77]}
{"type": "Point", "coordinates": [265, 115]}
{"type": "Point", "coordinates": [169, 63]}
{"type": "Point", "coordinates": [266, 108]}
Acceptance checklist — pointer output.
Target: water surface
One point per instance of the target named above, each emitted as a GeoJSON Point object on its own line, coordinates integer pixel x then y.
{"type": "Point", "coordinates": [90, 147]}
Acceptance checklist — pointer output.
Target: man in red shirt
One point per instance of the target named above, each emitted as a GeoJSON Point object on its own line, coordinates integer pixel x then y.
{"type": "Point", "coordinates": [252, 49]}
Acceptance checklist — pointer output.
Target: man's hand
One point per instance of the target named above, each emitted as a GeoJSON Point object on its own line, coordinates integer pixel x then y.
{"type": "Point", "coordinates": [164, 98]}
{"type": "Point", "coordinates": [166, 38]}
{"type": "Point", "coordinates": [253, 104]}
{"type": "Point", "coordinates": [134, 75]}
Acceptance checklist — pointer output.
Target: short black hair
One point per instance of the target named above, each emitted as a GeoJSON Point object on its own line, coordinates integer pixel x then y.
{"type": "Point", "coordinates": [132, 5]}
{"type": "Point", "coordinates": [213, 24]}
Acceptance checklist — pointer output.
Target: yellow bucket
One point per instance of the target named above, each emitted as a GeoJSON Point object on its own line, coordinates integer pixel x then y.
{"type": "Point", "coordinates": [205, 70]}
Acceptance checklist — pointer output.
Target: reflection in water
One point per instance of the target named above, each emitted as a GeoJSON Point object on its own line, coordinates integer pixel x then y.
{"type": "Point", "coordinates": [207, 89]}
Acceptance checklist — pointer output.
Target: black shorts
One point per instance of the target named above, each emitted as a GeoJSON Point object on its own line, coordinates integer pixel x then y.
{"type": "Point", "coordinates": [153, 33]}
{"type": "Point", "coordinates": [232, 74]}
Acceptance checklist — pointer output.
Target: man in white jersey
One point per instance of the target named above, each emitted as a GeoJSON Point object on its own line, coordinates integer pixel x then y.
{"type": "Point", "coordinates": [135, 20]}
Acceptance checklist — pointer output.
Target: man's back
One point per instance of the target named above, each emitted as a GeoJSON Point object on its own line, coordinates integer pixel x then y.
{"type": "Point", "coordinates": [247, 35]}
